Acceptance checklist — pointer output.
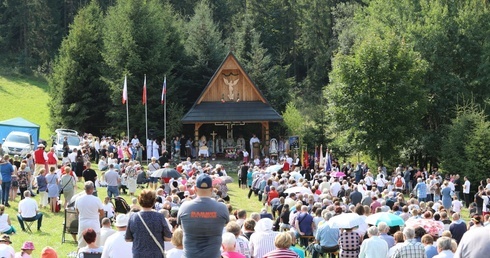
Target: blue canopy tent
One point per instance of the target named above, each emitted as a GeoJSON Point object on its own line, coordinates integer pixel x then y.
{"type": "Point", "coordinates": [21, 125]}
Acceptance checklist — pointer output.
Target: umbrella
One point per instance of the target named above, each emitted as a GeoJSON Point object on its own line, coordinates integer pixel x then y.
{"type": "Point", "coordinates": [296, 175]}
{"type": "Point", "coordinates": [298, 189]}
{"type": "Point", "coordinates": [389, 218]}
{"type": "Point", "coordinates": [222, 180]}
{"type": "Point", "coordinates": [431, 226]}
{"type": "Point", "coordinates": [338, 174]}
{"type": "Point", "coordinates": [273, 168]}
{"type": "Point", "coordinates": [346, 220]}
{"type": "Point", "coordinates": [226, 179]}
{"type": "Point", "coordinates": [166, 172]}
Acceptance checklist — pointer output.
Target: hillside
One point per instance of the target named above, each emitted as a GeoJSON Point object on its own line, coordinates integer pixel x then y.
{"type": "Point", "coordinates": [27, 98]}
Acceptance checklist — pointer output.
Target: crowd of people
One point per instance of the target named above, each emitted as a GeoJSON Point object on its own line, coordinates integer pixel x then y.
{"type": "Point", "coordinates": [191, 214]}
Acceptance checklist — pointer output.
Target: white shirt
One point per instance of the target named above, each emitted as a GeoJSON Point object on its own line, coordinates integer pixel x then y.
{"type": "Point", "coordinates": [105, 233]}
{"type": "Point", "coordinates": [88, 207]}
{"type": "Point", "coordinates": [457, 205]}
{"type": "Point", "coordinates": [117, 247]}
{"type": "Point", "coordinates": [135, 141]}
{"type": "Point", "coordinates": [335, 188]}
{"type": "Point", "coordinates": [451, 185]}
{"type": "Point", "coordinates": [7, 251]}
{"type": "Point", "coordinates": [466, 187]}
{"type": "Point", "coordinates": [445, 254]}
{"type": "Point", "coordinates": [28, 207]}
{"type": "Point", "coordinates": [374, 247]}
{"type": "Point", "coordinates": [72, 156]}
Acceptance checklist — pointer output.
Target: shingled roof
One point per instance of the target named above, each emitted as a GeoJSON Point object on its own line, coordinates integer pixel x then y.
{"type": "Point", "coordinates": [236, 112]}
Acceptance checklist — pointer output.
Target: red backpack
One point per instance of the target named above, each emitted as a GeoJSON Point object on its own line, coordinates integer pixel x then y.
{"type": "Point", "coordinates": [399, 182]}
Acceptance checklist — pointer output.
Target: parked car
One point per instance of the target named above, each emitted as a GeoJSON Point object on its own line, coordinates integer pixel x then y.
{"type": "Point", "coordinates": [18, 143]}
{"type": "Point", "coordinates": [72, 138]}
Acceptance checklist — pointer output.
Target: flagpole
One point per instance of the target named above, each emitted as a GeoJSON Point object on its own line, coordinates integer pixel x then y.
{"type": "Point", "coordinates": [146, 115]}
{"type": "Point", "coordinates": [127, 104]}
{"type": "Point", "coordinates": [165, 112]}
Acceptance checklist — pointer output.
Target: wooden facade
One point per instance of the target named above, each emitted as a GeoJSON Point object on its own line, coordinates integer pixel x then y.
{"type": "Point", "coordinates": [231, 98]}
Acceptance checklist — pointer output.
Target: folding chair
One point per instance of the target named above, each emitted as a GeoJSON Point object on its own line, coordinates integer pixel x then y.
{"type": "Point", "coordinates": [28, 223]}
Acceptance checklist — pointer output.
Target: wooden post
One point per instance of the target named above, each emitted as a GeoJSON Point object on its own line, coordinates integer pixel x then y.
{"type": "Point", "coordinates": [265, 136]}
{"type": "Point", "coordinates": [196, 136]}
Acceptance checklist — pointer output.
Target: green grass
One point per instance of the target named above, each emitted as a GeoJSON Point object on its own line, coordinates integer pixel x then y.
{"type": "Point", "coordinates": [26, 97]}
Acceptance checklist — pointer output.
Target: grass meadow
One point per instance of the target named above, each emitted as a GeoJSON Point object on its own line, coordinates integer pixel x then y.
{"type": "Point", "coordinates": [25, 97]}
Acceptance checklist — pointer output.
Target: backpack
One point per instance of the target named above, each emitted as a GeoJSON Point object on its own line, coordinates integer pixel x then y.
{"type": "Point", "coordinates": [399, 182]}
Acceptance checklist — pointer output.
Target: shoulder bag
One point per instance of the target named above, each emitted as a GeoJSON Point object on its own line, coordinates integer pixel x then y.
{"type": "Point", "coordinates": [151, 234]}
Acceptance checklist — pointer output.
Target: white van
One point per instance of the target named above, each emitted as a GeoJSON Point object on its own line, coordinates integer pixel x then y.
{"type": "Point", "coordinates": [18, 143]}
{"type": "Point", "coordinates": [72, 138]}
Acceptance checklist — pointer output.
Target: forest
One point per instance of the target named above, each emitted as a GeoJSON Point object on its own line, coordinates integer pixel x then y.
{"type": "Point", "coordinates": [400, 81]}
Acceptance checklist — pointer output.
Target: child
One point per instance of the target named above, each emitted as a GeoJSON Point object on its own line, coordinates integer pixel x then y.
{"type": "Point", "coordinates": [457, 205]}
{"type": "Point", "coordinates": [27, 249]}
{"type": "Point", "coordinates": [178, 250]}
{"type": "Point", "coordinates": [108, 208]}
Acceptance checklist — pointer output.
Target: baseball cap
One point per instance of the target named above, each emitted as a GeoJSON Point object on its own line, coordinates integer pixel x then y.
{"type": "Point", "coordinates": [204, 181]}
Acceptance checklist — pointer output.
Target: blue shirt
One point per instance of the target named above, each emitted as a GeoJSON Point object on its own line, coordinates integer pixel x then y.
{"type": "Point", "coordinates": [6, 170]}
{"type": "Point", "coordinates": [389, 239]}
{"type": "Point", "coordinates": [421, 190]}
{"type": "Point", "coordinates": [430, 251]}
{"type": "Point", "coordinates": [298, 251]}
{"type": "Point", "coordinates": [327, 236]}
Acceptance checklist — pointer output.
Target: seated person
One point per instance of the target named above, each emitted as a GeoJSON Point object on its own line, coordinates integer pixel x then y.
{"type": "Point", "coordinates": [103, 166]}
{"type": "Point", "coordinates": [5, 225]}
{"type": "Point", "coordinates": [89, 236]}
{"type": "Point", "coordinates": [28, 211]}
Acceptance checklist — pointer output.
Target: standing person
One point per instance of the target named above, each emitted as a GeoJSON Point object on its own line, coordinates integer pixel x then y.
{"type": "Point", "coordinates": [466, 191]}
{"type": "Point", "coordinates": [112, 178]}
{"type": "Point", "coordinates": [79, 163]}
{"type": "Point", "coordinates": [90, 175]}
{"type": "Point", "coordinates": [67, 183]}
{"type": "Point", "coordinates": [131, 178]}
{"type": "Point", "coordinates": [90, 210]}
{"type": "Point", "coordinates": [40, 159]}
{"type": "Point", "coordinates": [155, 148]}
{"type": "Point", "coordinates": [53, 190]}
{"type": "Point", "coordinates": [152, 167]}
{"type": "Point", "coordinates": [6, 170]}
{"type": "Point", "coordinates": [52, 158]}
{"type": "Point", "coordinates": [23, 179]}
{"type": "Point", "coordinates": [421, 189]}
{"type": "Point", "coordinates": [148, 228]}
{"type": "Point", "coordinates": [203, 220]}
{"type": "Point", "coordinates": [116, 246]}
{"type": "Point", "coordinates": [254, 148]}
{"type": "Point", "coordinates": [42, 187]}
{"type": "Point", "coordinates": [244, 175]}
{"type": "Point", "coordinates": [446, 196]}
